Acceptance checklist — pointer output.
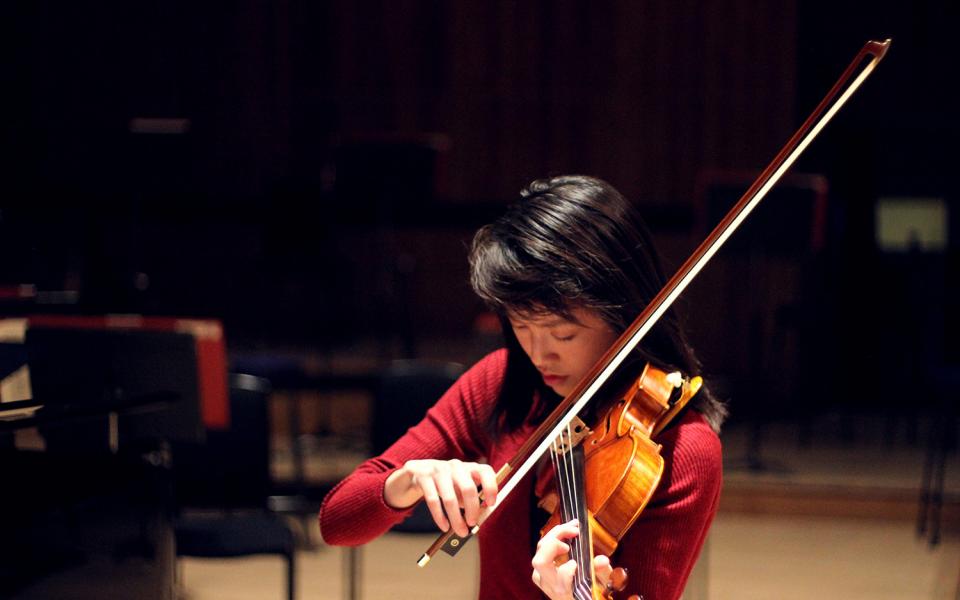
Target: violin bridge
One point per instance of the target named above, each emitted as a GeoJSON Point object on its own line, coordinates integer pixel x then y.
{"type": "Point", "coordinates": [570, 437]}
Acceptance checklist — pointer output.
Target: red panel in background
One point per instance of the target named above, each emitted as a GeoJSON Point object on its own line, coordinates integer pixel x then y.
{"type": "Point", "coordinates": [210, 348]}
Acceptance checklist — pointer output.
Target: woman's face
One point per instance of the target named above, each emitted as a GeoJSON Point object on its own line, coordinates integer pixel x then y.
{"type": "Point", "coordinates": [563, 350]}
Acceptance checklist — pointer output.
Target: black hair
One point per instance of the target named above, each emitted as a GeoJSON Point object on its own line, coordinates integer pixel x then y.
{"type": "Point", "coordinates": [571, 242]}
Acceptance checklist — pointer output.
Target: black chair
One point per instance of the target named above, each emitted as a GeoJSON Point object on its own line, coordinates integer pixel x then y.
{"type": "Point", "coordinates": [407, 388]}
{"type": "Point", "coordinates": [223, 486]}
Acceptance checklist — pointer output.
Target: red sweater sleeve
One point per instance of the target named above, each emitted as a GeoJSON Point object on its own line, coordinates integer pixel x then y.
{"type": "Point", "coordinates": [660, 549]}
{"type": "Point", "coordinates": [354, 512]}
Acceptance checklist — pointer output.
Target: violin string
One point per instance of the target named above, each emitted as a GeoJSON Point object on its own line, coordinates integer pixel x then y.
{"type": "Point", "coordinates": [564, 480]}
{"type": "Point", "coordinates": [570, 501]}
{"type": "Point", "coordinates": [559, 474]}
{"type": "Point", "coordinates": [561, 471]}
{"type": "Point", "coordinates": [583, 541]}
{"type": "Point", "coordinates": [554, 451]}
{"type": "Point", "coordinates": [577, 544]}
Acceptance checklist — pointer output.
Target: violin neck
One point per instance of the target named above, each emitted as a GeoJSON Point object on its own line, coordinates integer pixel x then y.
{"type": "Point", "coordinates": [569, 471]}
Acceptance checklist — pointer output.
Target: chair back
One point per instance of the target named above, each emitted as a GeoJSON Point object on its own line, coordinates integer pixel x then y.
{"type": "Point", "coordinates": [407, 389]}
{"type": "Point", "coordinates": [232, 469]}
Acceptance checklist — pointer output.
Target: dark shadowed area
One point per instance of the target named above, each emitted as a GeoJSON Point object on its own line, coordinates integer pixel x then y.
{"type": "Point", "coordinates": [308, 175]}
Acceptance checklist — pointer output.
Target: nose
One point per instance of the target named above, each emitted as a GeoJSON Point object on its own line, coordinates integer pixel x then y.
{"type": "Point", "coordinates": [538, 350]}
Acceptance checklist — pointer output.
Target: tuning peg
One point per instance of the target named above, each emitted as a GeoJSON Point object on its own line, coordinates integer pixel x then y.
{"type": "Point", "coordinates": [618, 580]}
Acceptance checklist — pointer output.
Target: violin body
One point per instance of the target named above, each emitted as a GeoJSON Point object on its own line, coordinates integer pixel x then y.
{"type": "Point", "coordinates": [622, 463]}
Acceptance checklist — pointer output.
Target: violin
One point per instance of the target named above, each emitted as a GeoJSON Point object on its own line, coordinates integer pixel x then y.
{"type": "Point", "coordinates": [619, 463]}
{"type": "Point", "coordinates": [604, 476]}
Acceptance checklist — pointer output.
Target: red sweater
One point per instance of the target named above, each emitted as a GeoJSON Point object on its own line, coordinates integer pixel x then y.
{"type": "Point", "coordinates": [658, 551]}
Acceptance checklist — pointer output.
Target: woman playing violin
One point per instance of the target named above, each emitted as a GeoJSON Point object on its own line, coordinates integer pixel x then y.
{"type": "Point", "coordinates": [566, 269]}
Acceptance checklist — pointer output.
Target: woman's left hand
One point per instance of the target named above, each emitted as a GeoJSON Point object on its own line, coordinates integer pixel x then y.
{"type": "Point", "coordinates": [556, 581]}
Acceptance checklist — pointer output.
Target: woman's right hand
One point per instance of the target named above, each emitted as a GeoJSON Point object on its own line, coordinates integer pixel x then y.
{"type": "Point", "coordinates": [447, 486]}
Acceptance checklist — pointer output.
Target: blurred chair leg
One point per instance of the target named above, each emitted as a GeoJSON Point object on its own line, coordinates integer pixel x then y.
{"type": "Point", "coordinates": [291, 574]}
{"type": "Point", "coordinates": [698, 582]}
{"type": "Point", "coordinates": [352, 572]}
{"type": "Point", "coordinates": [936, 497]}
{"type": "Point", "coordinates": [923, 515]}
{"type": "Point", "coordinates": [934, 475]}
{"type": "Point", "coordinates": [957, 591]}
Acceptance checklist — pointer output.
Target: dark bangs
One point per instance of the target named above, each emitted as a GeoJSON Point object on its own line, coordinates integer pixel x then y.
{"type": "Point", "coordinates": [562, 247]}
{"type": "Point", "coordinates": [509, 280]}
{"type": "Point", "coordinates": [574, 242]}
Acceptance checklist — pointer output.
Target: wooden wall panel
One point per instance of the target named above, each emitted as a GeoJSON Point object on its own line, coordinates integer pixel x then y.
{"type": "Point", "coordinates": [642, 93]}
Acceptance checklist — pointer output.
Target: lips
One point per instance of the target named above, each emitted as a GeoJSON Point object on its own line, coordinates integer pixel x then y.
{"type": "Point", "coordinates": [551, 379]}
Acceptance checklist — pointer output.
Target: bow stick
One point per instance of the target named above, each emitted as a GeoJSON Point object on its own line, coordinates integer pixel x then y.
{"type": "Point", "coordinates": [540, 441]}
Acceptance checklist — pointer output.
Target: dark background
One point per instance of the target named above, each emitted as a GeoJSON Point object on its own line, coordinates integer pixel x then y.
{"type": "Point", "coordinates": [340, 154]}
